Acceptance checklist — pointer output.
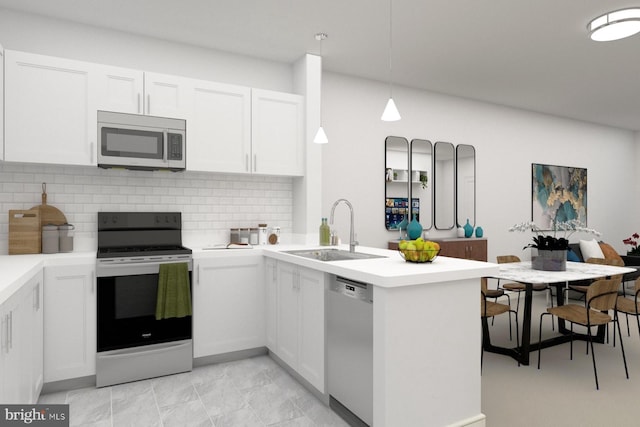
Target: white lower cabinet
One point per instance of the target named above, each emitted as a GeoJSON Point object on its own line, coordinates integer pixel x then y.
{"type": "Point", "coordinates": [299, 321]}
{"type": "Point", "coordinates": [70, 321]}
{"type": "Point", "coordinates": [271, 297]}
{"type": "Point", "coordinates": [21, 368]}
{"type": "Point", "coordinates": [228, 304]}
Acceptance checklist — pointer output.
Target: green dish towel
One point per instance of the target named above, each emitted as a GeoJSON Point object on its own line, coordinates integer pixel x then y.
{"type": "Point", "coordinates": [174, 295]}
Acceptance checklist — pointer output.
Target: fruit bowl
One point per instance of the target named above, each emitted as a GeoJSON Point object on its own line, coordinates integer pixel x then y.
{"type": "Point", "coordinates": [419, 256]}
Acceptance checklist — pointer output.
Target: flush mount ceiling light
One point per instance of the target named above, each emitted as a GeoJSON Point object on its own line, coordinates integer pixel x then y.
{"type": "Point", "coordinates": [615, 25]}
{"type": "Point", "coordinates": [321, 137]}
{"type": "Point", "coordinates": [390, 113]}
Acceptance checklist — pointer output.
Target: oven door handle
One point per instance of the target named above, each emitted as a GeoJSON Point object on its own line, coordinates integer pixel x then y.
{"type": "Point", "coordinates": [135, 351]}
{"type": "Point", "coordinates": [134, 268]}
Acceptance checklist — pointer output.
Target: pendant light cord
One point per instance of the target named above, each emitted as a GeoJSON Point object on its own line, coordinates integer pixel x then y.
{"type": "Point", "coordinates": [390, 46]}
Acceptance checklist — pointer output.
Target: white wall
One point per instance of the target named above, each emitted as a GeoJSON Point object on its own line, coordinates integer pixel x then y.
{"type": "Point", "coordinates": [46, 36]}
{"type": "Point", "coordinates": [507, 141]}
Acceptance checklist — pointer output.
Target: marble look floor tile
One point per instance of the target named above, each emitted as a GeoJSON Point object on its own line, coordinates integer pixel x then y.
{"type": "Point", "coordinates": [244, 417]}
{"type": "Point", "coordinates": [143, 417]}
{"type": "Point", "coordinates": [174, 389]}
{"type": "Point", "coordinates": [88, 406]}
{"type": "Point", "coordinates": [248, 374]}
{"type": "Point", "coordinates": [302, 421]}
{"type": "Point", "coordinates": [135, 405]}
{"type": "Point", "coordinates": [220, 396]}
{"type": "Point", "coordinates": [289, 386]}
{"type": "Point", "coordinates": [204, 374]}
{"type": "Point", "coordinates": [270, 404]}
{"type": "Point", "coordinates": [189, 414]}
{"type": "Point", "coordinates": [318, 412]}
{"type": "Point", "coordinates": [53, 398]}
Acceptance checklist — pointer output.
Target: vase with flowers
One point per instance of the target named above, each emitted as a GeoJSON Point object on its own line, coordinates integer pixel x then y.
{"type": "Point", "coordinates": [633, 242]}
{"type": "Point", "coordinates": [552, 245]}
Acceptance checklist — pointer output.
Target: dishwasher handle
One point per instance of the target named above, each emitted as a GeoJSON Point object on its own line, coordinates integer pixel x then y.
{"type": "Point", "coordinates": [353, 289]}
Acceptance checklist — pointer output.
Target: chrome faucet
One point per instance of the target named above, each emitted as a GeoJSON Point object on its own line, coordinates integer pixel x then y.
{"type": "Point", "coordinates": [352, 240]}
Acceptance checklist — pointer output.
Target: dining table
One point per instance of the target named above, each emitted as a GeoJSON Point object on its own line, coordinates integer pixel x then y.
{"type": "Point", "coordinates": [522, 272]}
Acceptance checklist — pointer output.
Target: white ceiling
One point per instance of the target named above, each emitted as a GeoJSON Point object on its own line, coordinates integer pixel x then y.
{"type": "Point", "coordinates": [530, 54]}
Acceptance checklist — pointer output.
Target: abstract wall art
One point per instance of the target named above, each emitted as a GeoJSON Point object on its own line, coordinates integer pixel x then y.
{"type": "Point", "coordinates": [558, 194]}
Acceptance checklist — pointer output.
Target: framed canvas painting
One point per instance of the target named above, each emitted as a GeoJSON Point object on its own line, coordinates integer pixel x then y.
{"type": "Point", "coordinates": [558, 194]}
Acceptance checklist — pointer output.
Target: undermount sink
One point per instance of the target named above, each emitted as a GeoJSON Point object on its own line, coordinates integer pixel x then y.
{"type": "Point", "coordinates": [332, 254]}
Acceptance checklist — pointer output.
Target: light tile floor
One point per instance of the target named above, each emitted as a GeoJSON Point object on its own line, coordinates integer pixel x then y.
{"type": "Point", "coordinates": [249, 392]}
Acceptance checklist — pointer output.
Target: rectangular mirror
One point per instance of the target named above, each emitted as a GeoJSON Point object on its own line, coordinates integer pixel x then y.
{"type": "Point", "coordinates": [444, 192]}
{"type": "Point", "coordinates": [421, 167]}
{"type": "Point", "coordinates": [466, 184]}
{"type": "Point", "coordinates": [397, 181]}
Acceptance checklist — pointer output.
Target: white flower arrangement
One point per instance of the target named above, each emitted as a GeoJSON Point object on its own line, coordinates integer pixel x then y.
{"type": "Point", "coordinates": [551, 242]}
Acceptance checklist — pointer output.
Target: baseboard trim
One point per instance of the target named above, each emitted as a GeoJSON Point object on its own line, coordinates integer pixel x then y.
{"type": "Point", "coordinates": [70, 384]}
{"type": "Point", "coordinates": [229, 357]}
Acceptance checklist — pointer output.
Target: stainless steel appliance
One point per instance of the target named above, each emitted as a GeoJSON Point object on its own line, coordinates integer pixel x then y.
{"type": "Point", "coordinates": [132, 344]}
{"type": "Point", "coordinates": [136, 141]}
{"type": "Point", "coordinates": [350, 350]}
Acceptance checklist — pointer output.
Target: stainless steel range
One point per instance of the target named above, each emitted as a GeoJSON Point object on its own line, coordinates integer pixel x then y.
{"type": "Point", "coordinates": [133, 341]}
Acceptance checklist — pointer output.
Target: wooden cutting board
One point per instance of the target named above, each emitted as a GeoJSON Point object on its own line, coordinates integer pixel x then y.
{"type": "Point", "coordinates": [49, 214]}
{"type": "Point", "coordinates": [25, 236]}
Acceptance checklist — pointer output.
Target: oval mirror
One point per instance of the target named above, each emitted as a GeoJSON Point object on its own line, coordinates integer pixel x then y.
{"type": "Point", "coordinates": [466, 184]}
{"type": "Point", "coordinates": [422, 182]}
{"type": "Point", "coordinates": [396, 179]}
{"type": "Point", "coordinates": [444, 193]}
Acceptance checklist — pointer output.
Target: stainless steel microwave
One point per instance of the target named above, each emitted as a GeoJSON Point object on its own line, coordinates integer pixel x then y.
{"type": "Point", "coordinates": [135, 141]}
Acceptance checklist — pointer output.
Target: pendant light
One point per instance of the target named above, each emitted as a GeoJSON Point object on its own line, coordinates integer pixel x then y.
{"type": "Point", "coordinates": [321, 137]}
{"type": "Point", "coordinates": [390, 113]}
{"type": "Point", "coordinates": [615, 25]}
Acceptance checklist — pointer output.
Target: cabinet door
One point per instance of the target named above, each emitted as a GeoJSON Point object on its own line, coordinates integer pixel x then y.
{"type": "Point", "coordinates": [1, 104]}
{"type": "Point", "coordinates": [50, 115]}
{"type": "Point", "coordinates": [219, 128]}
{"type": "Point", "coordinates": [228, 305]}
{"type": "Point", "coordinates": [277, 133]}
{"type": "Point", "coordinates": [478, 250]}
{"type": "Point", "coordinates": [311, 320]}
{"type": "Point", "coordinates": [271, 289]}
{"type": "Point", "coordinates": [118, 89]}
{"type": "Point", "coordinates": [69, 322]}
{"type": "Point", "coordinates": [36, 335]}
{"type": "Point", "coordinates": [287, 316]}
{"type": "Point", "coordinates": [14, 386]}
{"type": "Point", "coordinates": [166, 96]}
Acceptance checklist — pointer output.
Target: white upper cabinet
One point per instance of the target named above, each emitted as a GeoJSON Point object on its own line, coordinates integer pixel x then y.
{"type": "Point", "coordinates": [119, 89]}
{"type": "Point", "coordinates": [50, 112]}
{"type": "Point", "coordinates": [277, 133]}
{"type": "Point", "coordinates": [51, 109]}
{"type": "Point", "coordinates": [167, 96]}
{"type": "Point", "coordinates": [1, 103]}
{"type": "Point", "coordinates": [219, 129]}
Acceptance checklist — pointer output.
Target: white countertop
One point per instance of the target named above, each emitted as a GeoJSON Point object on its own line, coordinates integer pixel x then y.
{"type": "Point", "coordinates": [390, 271]}
{"type": "Point", "coordinates": [17, 269]}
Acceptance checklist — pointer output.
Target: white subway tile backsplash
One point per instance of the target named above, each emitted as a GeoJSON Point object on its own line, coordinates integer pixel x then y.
{"type": "Point", "coordinates": [210, 203]}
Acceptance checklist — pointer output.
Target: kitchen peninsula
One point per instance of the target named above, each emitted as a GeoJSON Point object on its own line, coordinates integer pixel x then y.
{"type": "Point", "coordinates": [426, 358]}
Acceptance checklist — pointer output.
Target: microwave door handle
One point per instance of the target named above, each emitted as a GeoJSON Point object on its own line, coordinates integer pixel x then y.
{"type": "Point", "coordinates": [166, 145]}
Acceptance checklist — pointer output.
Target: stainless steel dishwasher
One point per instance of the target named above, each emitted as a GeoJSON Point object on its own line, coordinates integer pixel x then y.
{"type": "Point", "coordinates": [350, 350]}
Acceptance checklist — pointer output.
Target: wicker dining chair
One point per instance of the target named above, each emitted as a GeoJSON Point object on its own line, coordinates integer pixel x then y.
{"type": "Point", "coordinates": [630, 306]}
{"type": "Point", "coordinates": [492, 309]}
{"type": "Point", "coordinates": [601, 297]}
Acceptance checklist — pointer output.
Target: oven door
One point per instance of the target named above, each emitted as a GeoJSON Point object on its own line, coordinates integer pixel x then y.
{"type": "Point", "coordinates": [126, 304]}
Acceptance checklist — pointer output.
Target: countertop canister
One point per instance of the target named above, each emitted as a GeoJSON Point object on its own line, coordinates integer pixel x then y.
{"type": "Point", "coordinates": [65, 232]}
{"type": "Point", "coordinates": [50, 244]}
